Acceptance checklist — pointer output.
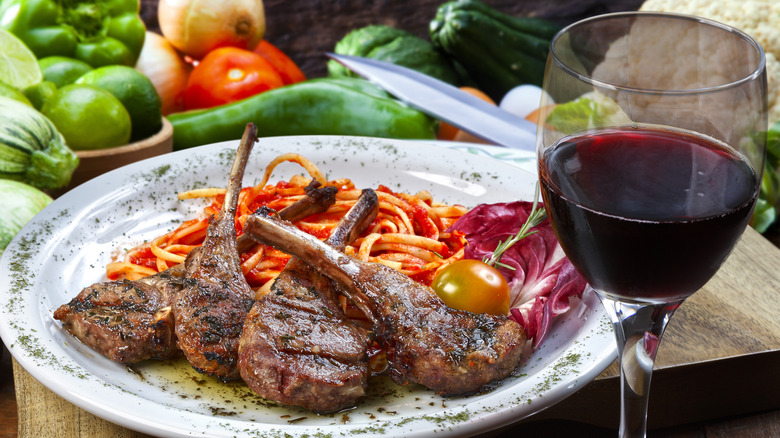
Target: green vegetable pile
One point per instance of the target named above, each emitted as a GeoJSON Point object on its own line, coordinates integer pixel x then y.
{"type": "Point", "coordinates": [471, 44]}
{"type": "Point", "coordinates": [86, 51]}
{"type": "Point", "coordinates": [465, 36]}
{"type": "Point", "coordinates": [67, 83]}
{"type": "Point", "coordinates": [498, 51]}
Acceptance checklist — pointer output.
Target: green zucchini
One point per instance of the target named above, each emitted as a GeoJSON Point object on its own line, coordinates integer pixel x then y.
{"type": "Point", "coordinates": [387, 43]}
{"type": "Point", "coordinates": [31, 149]}
{"type": "Point", "coordinates": [320, 106]}
{"type": "Point", "coordinates": [498, 51]}
{"type": "Point", "coordinates": [20, 203]}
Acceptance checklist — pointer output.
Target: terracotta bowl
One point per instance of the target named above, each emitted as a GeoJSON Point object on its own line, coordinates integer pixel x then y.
{"type": "Point", "coordinates": [98, 162]}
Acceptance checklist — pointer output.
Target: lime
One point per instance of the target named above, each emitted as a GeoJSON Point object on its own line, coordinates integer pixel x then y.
{"type": "Point", "coordinates": [62, 70]}
{"type": "Point", "coordinates": [135, 91]}
{"type": "Point", "coordinates": [18, 66]}
{"type": "Point", "coordinates": [40, 93]}
{"type": "Point", "coordinates": [9, 91]}
{"type": "Point", "coordinates": [88, 117]}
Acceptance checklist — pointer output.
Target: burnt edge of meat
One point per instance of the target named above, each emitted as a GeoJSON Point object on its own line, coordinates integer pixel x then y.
{"type": "Point", "coordinates": [150, 334]}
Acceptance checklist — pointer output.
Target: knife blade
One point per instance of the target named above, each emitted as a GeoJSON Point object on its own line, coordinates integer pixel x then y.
{"type": "Point", "coordinates": [445, 102]}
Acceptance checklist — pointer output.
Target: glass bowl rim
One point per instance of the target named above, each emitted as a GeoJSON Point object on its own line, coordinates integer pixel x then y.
{"type": "Point", "coordinates": [758, 71]}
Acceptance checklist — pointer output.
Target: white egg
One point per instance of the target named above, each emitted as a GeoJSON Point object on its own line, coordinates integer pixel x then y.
{"type": "Point", "coordinates": [522, 100]}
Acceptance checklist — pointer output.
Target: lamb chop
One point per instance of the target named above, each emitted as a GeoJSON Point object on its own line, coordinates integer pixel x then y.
{"type": "Point", "coordinates": [449, 351]}
{"type": "Point", "coordinates": [210, 310]}
{"type": "Point", "coordinates": [298, 348]}
{"type": "Point", "coordinates": [125, 321]}
{"type": "Point", "coordinates": [131, 321]}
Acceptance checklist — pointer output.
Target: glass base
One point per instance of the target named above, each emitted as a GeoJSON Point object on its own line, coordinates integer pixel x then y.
{"type": "Point", "coordinates": [638, 330]}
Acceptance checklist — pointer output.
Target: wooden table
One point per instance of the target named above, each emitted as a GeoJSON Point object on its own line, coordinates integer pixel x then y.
{"type": "Point", "coordinates": [717, 371]}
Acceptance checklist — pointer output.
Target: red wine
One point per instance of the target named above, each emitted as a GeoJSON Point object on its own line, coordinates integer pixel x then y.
{"type": "Point", "coordinates": [645, 213]}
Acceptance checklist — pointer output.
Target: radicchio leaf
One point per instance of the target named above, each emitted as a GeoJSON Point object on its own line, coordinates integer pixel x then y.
{"type": "Point", "coordinates": [543, 279]}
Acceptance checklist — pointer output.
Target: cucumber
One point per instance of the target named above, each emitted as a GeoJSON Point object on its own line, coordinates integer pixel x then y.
{"type": "Point", "coordinates": [498, 51]}
{"type": "Point", "coordinates": [31, 149]}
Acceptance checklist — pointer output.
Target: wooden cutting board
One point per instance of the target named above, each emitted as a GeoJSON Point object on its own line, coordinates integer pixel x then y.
{"type": "Point", "coordinates": [720, 357]}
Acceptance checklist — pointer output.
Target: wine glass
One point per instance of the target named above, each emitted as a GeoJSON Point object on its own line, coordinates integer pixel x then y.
{"type": "Point", "coordinates": [651, 153]}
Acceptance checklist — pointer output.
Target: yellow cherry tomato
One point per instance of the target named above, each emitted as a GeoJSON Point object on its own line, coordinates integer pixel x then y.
{"type": "Point", "coordinates": [473, 286]}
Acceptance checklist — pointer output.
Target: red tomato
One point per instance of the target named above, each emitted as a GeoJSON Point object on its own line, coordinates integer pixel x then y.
{"type": "Point", "coordinates": [287, 69]}
{"type": "Point", "coordinates": [473, 286]}
{"type": "Point", "coordinates": [226, 75]}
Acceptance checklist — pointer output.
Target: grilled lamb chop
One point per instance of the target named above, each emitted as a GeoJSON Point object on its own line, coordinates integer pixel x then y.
{"type": "Point", "coordinates": [125, 321]}
{"type": "Point", "coordinates": [210, 310]}
{"type": "Point", "coordinates": [449, 351]}
{"type": "Point", "coordinates": [131, 321]}
{"type": "Point", "coordinates": [298, 348]}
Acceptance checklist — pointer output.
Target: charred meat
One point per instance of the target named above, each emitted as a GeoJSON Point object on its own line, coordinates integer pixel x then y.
{"type": "Point", "coordinates": [210, 310]}
{"type": "Point", "coordinates": [298, 348]}
{"type": "Point", "coordinates": [449, 351]}
{"type": "Point", "coordinates": [126, 321]}
{"type": "Point", "coordinates": [131, 321]}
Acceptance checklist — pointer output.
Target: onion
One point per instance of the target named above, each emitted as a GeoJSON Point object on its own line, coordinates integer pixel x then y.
{"type": "Point", "coordinates": [163, 65]}
{"type": "Point", "coordinates": [196, 27]}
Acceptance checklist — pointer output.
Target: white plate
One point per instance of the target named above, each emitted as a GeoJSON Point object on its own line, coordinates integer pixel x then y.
{"type": "Point", "coordinates": [519, 157]}
{"type": "Point", "coordinates": [67, 246]}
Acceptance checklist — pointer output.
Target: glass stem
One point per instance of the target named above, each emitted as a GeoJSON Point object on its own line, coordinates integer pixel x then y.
{"type": "Point", "coordinates": [638, 329]}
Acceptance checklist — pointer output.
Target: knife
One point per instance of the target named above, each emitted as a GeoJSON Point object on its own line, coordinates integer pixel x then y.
{"type": "Point", "coordinates": [445, 102]}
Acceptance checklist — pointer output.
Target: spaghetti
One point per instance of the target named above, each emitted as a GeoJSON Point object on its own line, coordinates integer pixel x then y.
{"type": "Point", "coordinates": [408, 234]}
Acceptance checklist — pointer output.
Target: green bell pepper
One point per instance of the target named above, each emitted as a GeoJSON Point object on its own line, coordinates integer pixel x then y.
{"type": "Point", "coordinates": [98, 32]}
{"type": "Point", "coordinates": [324, 106]}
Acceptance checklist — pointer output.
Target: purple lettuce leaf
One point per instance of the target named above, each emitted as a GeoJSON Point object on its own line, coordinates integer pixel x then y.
{"type": "Point", "coordinates": [543, 278]}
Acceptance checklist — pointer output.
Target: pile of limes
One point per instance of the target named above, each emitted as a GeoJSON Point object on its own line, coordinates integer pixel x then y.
{"type": "Point", "coordinates": [93, 108]}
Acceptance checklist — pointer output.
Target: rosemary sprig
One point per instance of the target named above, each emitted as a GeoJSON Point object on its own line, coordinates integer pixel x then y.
{"type": "Point", "coordinates": [536, 217]}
